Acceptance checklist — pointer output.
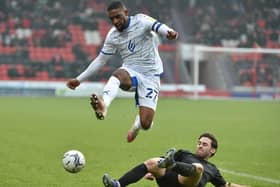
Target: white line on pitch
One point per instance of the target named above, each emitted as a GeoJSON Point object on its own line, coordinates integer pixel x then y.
{"type": "Point", "coordinates": [275, 181]}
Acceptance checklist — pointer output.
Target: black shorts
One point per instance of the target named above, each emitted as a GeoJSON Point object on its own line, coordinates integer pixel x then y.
{"type": "Point", "coordinates": [170, 179]}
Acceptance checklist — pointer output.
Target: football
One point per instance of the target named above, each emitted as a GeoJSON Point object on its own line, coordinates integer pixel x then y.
{"type": "Point", "coordinates": [73, 161]}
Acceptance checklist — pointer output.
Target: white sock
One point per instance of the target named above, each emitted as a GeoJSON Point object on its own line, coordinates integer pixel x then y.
{"type": "Point", "coordinates": [110, 90]}
{"type": "Point", "coordinates": [137, 123]}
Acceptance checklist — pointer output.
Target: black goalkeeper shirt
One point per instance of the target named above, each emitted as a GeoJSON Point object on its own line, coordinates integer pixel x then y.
{"type": "Point", "coordinates": [211, 172]}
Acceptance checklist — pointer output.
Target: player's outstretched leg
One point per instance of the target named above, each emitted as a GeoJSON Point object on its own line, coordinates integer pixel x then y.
{"type": "Point", "coordinates": [109, 182]}
{"type": "Point", "coordinates": [168, 160]}
{"type": "Point", "coordinates": [134, 130]}
{"type": "Point", "coordinates": [98, 106]}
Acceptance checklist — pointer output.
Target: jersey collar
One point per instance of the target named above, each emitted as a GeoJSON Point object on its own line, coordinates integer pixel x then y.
{"type": "Point", "coordinates": [127, 23]}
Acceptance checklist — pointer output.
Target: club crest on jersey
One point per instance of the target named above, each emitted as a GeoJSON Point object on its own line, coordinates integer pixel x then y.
{"type": "Point", "coordinates": [131, 46]}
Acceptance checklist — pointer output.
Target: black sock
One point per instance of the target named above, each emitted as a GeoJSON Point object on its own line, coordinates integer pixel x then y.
{"type": "Point", "coordinates": [133, 175]}
{"type": "Point", "coordinates": [184, 169]}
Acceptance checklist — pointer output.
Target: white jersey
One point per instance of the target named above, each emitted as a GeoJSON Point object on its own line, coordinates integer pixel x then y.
{"type": "Point", "coordinates": [137, 45]}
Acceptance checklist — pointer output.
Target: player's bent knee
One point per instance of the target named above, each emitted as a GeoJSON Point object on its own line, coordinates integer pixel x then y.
{"type": "Point", "coordinates": [199, 167]}
{"type": "Point", "coordinates": [193, 180]}
{"type": "Point", "coordinates": [151, 163]}
{"type": "Point", "coordinates": [124, 78]}
{"type": "Point", "coordinates": [152, 167]}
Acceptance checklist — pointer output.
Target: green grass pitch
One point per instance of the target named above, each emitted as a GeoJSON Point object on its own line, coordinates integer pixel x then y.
{"type": "Point", "coordinates": [35, 132]}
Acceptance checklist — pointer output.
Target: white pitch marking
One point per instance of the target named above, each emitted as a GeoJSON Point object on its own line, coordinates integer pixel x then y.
{"type": "Point", "coordinates": [275, 181]}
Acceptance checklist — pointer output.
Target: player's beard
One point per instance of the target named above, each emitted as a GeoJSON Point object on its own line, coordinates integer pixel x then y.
{"type": "Point", "coordinates": [122, 25]}
{"type": "Point", "coordinates": [119, 28]}
{"type": "Point", "coordinates": [201, 153]}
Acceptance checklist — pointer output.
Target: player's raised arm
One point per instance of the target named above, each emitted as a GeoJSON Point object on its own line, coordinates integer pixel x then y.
{"type": "Point", "coordinates": [159, 27]}
{"type": "Point", "coordinates": [168, 32]}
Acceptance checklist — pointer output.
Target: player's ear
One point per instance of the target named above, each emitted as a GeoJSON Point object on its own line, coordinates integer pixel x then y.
{"type": "Point", "coordinates": [126, 12]}
{"type": "Point", "coordinates": [213, 151]}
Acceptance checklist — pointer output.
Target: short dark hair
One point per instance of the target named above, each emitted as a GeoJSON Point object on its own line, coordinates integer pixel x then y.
{"type": "Point", "coordinates": [214, 141]}
{"type": "Point", "coordinates": [115, 5]}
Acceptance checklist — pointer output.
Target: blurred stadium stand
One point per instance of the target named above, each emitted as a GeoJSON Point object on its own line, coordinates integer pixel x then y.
{"type": "Point", "coordinates": [53, 40]}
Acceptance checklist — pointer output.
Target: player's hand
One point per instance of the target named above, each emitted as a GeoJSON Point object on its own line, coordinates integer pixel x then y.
{"type": "Point", "coordinates": [236, 185]}
{"type": "Point", "coordinates": [73, 83]}
{"type": "Point", "coordinates": [171, 35]}
{"type": "Point", "coordinates": [149, 176]}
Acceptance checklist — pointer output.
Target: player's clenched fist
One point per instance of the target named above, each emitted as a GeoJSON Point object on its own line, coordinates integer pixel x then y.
{"type": "Point", "coordinates": [73, 83]}
{"type": "Point", "coordinates": [171, 35]}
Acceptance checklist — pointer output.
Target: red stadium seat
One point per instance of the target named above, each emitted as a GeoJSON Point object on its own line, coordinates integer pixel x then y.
{"type": "Point", "coordinates": [7, 50]}
{"type": "Point", "coordinates": [44, 75]}
{"type": "Point", "coordinates": [167, 47]}
{"type": "Point", "coordinates": [4, 72]}
{"type": "Point", "coordinates": [2, 27]}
